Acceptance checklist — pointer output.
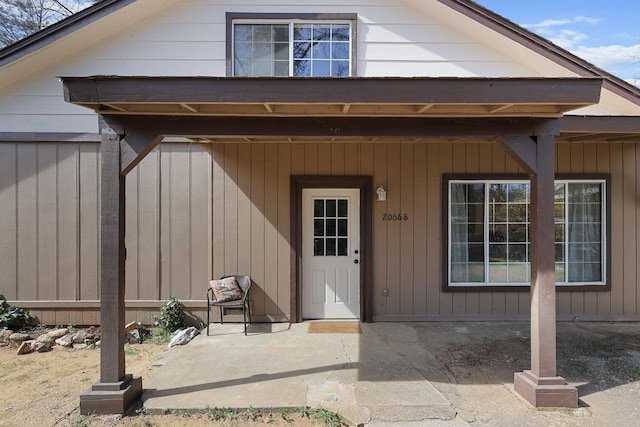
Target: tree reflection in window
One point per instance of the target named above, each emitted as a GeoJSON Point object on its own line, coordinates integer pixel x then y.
{"type": "Point", "coordinates": [309, 49]}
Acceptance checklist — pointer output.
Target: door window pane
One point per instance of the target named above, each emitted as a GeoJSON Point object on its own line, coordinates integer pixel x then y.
{"type": "Point", "coordinates": [330, 221]}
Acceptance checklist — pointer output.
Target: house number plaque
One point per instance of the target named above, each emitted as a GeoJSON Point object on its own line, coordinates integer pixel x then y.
{"type": "Point", "coordinates": [395, 217]}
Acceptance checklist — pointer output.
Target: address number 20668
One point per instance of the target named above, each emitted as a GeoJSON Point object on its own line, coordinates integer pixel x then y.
{"type": "Point", "coordinates": [395, 217]}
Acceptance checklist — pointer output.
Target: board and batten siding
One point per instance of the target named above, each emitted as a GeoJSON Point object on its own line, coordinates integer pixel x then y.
{"type": "Point", "coordinates": [196, 212]}
{"type": "Point", "coordinates": [188, 39]}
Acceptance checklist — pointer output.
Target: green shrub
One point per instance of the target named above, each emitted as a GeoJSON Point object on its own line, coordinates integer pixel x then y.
{"type": "Point", "coordinates": [11, 315]}
{"type": "Point", "coordinates": [171, 315]}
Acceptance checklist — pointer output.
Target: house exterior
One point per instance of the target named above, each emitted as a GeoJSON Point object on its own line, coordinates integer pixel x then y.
{"type": "Point", "coordinates": [380, 160]}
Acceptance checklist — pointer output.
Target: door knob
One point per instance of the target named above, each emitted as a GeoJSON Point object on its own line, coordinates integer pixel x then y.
{"type": "Point", "coordinates": [355, 261]}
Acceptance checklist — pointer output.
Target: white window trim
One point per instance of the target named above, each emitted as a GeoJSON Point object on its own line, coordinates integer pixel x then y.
{"type": "Point", "coordinates": [290, 23]}
{"type": "Point", "coordinates": [486, 283]}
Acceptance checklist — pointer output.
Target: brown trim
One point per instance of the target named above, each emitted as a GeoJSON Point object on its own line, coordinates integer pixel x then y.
{"type": "Point", "coordinates": [525, 287]}
{"type": "Point", "coordinates": [231, 16]}
{"type": "Point", "coordinates": [364, 184]}
{"type": "Point", "coordinates": [601, 124]}
{"type": "Point", "coordinates": [94, 91]}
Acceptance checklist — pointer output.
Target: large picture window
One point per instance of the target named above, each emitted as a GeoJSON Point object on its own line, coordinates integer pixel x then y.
{"type": "Point", "coordinates": [291, 47]}
{"type": "Point", "coordinates": [488, 232]}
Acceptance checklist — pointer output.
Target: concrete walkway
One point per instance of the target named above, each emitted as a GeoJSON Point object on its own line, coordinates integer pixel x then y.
{"type": "Point", "coordinates": [362, 376]}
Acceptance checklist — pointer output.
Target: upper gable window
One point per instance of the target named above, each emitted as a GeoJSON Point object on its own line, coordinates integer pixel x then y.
{"type": "Point", "coordinates": [291, 47]}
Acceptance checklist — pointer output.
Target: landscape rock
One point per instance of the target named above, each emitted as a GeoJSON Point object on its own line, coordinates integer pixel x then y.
{"type": "Point", "coordinates": [46, 339]}
{"type": "Point", "coordinates": [65, 341]}
{"type": "Point", "coordinates": [80, 336]}
{"type": "Point", "coordinates": [18, 337]}
{"type": "Point", "coordinates": [41, 347]}
{"type": "Point", "coordinates": [81, 346]}
{"type": "Point", "coordinates": [25, 348]}
{"type": "Point", "coordinates": [5, 334]}
{"type": "Point", "coordinates": [183, 336]}
{"type": "Point", "coordinates": [133, 337]}
{"type": "Point", "coordinates": [58, 333]}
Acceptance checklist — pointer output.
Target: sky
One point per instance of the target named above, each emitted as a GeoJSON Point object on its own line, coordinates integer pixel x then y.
{"type": "Point", "coordinates": [605, 33]}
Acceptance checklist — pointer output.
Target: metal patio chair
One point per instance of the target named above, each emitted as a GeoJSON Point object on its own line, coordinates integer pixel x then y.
{"type": "Point", "coordinates": [244, 283]}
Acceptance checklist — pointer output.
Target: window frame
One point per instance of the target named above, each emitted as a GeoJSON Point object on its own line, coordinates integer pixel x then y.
{"type": "Point", "coordinates": [288, 18]}
{"type": "Point", "coordinates": [525, 286]}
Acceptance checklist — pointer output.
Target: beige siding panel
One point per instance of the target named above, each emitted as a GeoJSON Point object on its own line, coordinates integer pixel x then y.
{"type": "Point", "coordinates": [337, 159]}
{"type": "Point", "coordinates": [324, 159]}
{"type": "Point", "coordinates": [200, 206]}
{"type": "Point", "coordinates": [244, 209]}
{"type": "Point", "coordinates": [199, 210]}
{"type": "Point", "coordinates": [380, 280]}
{"type": "Point", "coordinates": [419, 218]}
{"type": "Point", "coordinates": [46, 223]}
{"type": "Point", "coordinates": [217, 209]}
{"type": "Point", "coordinates": [407, 280]}
{"type": "Point", "coordinates": [165, 224]}
{"type": "Point", "coordinates": [284, 233]}
{"type": "Point", "coordinates": [617, 229]}
{"type": "Point", "coordinates": [132, 233]}
{"type": "Point", "coordinates": [351, 158]}
{"type": "Point", "coordinates": [176, 220]}
{"type": "Point", "coordinates": [231, 210]}
{"type": "Point", "coordinates": [258, 251]}
{"type": "Point", "coordinates": [435, 273]}
{"type": "Point", "coordinates": [67, 226]}
{"type": "Point", "coordinates": [297, 159]}
{"type": "Point", "coordinates": [630, 208]}
{"type": "Point", "coordinates": [311, 159]}
{"type": "Point", "coordinates": [635, 198]}
{"type": "Point", "coordinates": [8, 222]}
{"type": "Point", "coordinates": [89, 221]}
{"type": "Point", "coordinates": [148, 223]}
{"type": "Point", "coordinates": [394, 193]}
{"type": "Point", "coordinates": [271, 229]}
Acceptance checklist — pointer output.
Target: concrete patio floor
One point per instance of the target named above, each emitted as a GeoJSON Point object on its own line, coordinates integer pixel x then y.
{"type": "Point", "coordinates": [392, 374]}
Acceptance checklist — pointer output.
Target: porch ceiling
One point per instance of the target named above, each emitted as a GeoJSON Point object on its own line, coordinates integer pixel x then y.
{"type": "Point", "coordinates": [333, 97]}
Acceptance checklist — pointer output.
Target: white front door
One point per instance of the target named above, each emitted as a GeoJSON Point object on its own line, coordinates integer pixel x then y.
{"type": "Point", "coordinates": [331, 254]}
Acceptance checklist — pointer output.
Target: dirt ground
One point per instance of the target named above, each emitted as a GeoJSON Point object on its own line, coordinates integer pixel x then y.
{"type": "Point", "coordinates": [601, 359]}
{"type": "Point", "coordinates": [471, 364]}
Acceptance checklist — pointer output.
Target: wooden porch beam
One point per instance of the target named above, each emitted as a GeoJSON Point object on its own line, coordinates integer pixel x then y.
{"type": "Point", "coordinates": [138, 128]}
{"type": "Point", "coordinates": [420, 91]}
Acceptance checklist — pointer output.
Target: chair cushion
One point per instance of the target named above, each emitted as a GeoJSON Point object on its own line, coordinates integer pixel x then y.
{"type": "Point", "coordinates": [226, 289]}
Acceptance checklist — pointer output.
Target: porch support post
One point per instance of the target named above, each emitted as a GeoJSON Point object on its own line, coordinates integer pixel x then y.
{"type": "Point", "coordinates": [116, 391]}
{"type": "Point", "coordinates": [541, 386]}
